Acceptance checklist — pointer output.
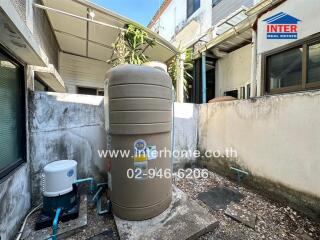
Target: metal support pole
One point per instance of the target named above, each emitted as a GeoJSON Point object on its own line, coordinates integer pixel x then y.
{"type": "Point", "coordinates": [253, 83]}
{"type": "Point", "coordinates": [180, 78]}
{"type": "Point", "coordinates": [204, 77]}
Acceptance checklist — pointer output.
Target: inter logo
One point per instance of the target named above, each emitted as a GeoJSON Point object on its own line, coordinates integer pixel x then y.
{"type": "Point", "coordinates": [282, 26]}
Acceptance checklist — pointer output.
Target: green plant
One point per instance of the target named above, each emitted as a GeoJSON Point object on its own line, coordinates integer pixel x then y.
{"type": "Point", "coordinates": [186, 57]}
{"type": "Point", "coordinates": [130, 46]}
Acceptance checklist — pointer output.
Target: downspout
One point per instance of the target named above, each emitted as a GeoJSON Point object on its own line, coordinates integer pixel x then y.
{"type": "Point", "coordinates": [204, 77]}
{"type": "Point", "coordinates": [253, 84]}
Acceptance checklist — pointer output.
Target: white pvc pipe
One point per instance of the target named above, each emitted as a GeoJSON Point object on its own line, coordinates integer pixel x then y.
{"type": "Point", "coordinates": [25, 220]}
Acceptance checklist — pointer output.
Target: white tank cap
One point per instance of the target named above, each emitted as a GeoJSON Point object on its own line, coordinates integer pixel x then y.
{"type": "Point", "coordinates": [157, 65]}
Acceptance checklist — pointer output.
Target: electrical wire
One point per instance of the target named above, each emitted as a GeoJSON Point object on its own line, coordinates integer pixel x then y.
{"type": "Point", "coordinates": [25, 220]}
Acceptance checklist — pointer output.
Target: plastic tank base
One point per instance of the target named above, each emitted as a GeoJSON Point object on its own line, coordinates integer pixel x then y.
{"type": "Point", "coordinates": [138, 214]}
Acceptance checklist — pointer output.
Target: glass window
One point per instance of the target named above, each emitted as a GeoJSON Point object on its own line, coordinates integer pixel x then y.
{"type": "Point", "coordinates": [313, 63]}
{"type": "Point", "coordinates": [12, 121]}
{"type": "Point", "coordinates": [285, 69]}
{"type": "Point", "coordinates": [192, 6]}
{"type": "Point", "coordinates": [87, 91]}
{"type": "Point", "coordinates": [233, 93]}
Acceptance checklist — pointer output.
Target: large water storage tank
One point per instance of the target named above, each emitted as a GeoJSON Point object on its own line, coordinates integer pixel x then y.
{"type": "Point", "coordinates": [140, 121]}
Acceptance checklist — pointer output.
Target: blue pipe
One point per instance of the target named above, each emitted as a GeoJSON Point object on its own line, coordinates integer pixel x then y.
{"type": "Point", "coordinates": [204, 77]}
{"type": "Point", "coordinates": [99, 208]}
{"type": "Point", "coordinates": [97, 195]}
{"type": "Point", "coordinates": [78, 181]}
{"type": "Point", "coordinates": [55, 224]}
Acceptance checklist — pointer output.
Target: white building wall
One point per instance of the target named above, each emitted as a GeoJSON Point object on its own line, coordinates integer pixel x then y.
{"type": "Point", "coordinates": [82, 72]}
{"type": "Point", "coordinates": [306, 11]}
{"type": "Point", "coordinates": [174, 18]}
{"type": "Point", "coordinates": [233, 71]}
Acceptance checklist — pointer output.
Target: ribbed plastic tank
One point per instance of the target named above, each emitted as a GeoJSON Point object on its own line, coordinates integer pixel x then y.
{"type": "Point", "coordinates": [140, 121]}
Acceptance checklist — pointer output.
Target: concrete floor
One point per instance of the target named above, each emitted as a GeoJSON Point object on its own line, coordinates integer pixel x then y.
{"type": "Point", "coordinates": [184, 219]}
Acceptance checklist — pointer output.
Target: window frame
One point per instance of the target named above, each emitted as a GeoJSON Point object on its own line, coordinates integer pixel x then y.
{"type": "Point", "coordinates": [39, 80]}
{"type": "Point", "coordinates": [8, 170]}
{"type": "Point", "coordinates": [193, 7]}
{"type": "Point", "coordinates": [304, 85]}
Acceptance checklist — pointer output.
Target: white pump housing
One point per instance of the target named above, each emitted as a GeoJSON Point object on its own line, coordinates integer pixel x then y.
{"type": "Point", "coordinates": [58, 177]}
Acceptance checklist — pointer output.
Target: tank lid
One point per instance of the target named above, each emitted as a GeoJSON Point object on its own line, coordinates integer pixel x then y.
{"type": "Point", "coordinates": [60, 165]}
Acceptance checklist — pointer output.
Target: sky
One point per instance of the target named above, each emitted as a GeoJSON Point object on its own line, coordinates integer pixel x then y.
{"type": "Point", "coordinates": [140, 11]}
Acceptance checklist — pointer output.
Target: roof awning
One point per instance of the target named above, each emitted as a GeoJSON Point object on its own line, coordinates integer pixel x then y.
{"type": "Point", "coordinates": [232, 33]}
{"type": "Point", "coordinates": [235, 31]}
{"type": "Point", "coordinates": [231, 21]}
{"type": "Point", "coordinates": [87, 30]}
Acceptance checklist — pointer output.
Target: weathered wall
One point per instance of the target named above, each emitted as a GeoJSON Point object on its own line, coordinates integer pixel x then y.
{"type": "Point", "coordinates": [66, 126]}
{"type": "Point", "coordinates": [70, 126]}
{"type": "Point", "coordinates": [185, 132]}
{"type": "Point", "coordinates": [277, 139]}
{"type": "Point", "coordinates": [233, 71]}
{"type": "Point", "coordinates": [15, 201]}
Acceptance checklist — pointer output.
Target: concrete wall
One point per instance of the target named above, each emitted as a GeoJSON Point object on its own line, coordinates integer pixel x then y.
{"type": "Point", "coordinates": [70, 126]}
{"type": "Point", "coordinates": [185, 132]}
{"type": "Point", "coordinates": [277, 140]}
{"type": "Point", "coordinates": [233, 71]}
{"type": "Point", "coordinates": [66, 126]}
{"type": "Point", "coordinates": [15, 201]}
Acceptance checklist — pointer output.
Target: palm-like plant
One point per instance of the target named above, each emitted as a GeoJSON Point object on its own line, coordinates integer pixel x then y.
{"type": "Point", "coordinates": [131, 45]}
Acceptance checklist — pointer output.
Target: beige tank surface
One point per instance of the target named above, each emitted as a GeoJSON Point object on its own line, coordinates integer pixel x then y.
{"type": "Point", "coordinates": [140, 121]}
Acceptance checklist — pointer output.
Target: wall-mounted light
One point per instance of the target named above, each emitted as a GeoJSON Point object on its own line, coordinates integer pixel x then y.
{"type": "Point", "coordinates": [92, 14]}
